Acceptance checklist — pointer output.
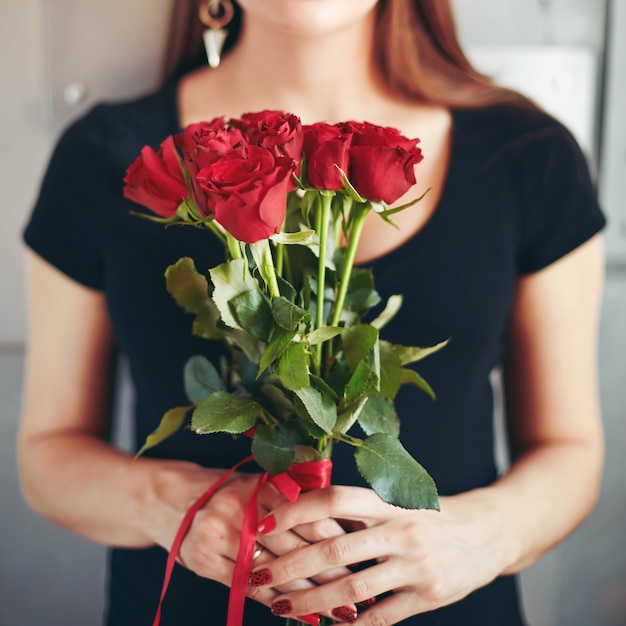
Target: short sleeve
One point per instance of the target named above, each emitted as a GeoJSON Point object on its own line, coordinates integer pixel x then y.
{"type": "Point", "coordinates": [64, 227]}
{"type": "Point", "coordinates": [559, 209]}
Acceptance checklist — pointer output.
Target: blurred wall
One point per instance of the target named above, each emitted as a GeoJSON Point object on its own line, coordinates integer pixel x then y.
{"type": "Point", "coordinates": [59, 56]}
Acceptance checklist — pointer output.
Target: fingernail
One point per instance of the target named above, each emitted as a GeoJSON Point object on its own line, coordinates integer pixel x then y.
{"type": "Point", "coordinates": [260, 578]}
{"type": "Point", "coordinates": [281, 607]}
{"type": "Point", "coordinates": [344, 614]}
{"type": "Point", "coordinates": [267, 524]}
{"type": "Point", "coordinates": [312, 619]}
{"type": "Point", "coordinates": [366, 603]}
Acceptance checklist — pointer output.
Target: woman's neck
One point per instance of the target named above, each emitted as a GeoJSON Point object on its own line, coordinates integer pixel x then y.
{"type": "Point", "coordinates": [319, 76]}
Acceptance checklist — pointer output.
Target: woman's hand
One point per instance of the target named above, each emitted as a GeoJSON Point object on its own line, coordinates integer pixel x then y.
{"type": "Point", "coordinates": [428, 559]}
{"type": "Point", "coordinates": [211, 545]}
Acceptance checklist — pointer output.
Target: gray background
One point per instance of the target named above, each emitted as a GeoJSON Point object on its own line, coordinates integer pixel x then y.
{"type": "Point", "coordinates": [48, 576]}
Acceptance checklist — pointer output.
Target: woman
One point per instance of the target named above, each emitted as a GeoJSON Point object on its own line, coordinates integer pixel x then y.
{"type": "Point", "coordinates": [503, 255]}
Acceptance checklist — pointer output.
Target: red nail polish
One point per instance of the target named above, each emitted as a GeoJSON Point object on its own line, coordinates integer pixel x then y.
{"type": "Point", "coordinates": [281, 607]}
{"type": "Point", "coordinates": [267, 524]}
{"type": "Point", "coordinates": [344, 614]}
{"type": "Point", "coordinates": [366, 603]}
{"type": "Point", "coordinates": [260, 578]}
{"type": "Point", "coordinates": [312, 619]}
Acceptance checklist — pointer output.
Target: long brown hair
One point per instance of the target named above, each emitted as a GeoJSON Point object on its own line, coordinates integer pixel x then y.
{"type": "Point", "coordinates": [416, 49]}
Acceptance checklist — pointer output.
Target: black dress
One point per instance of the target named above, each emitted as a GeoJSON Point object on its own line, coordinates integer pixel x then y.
{"type": "Point", "coordinates": [517, 197]}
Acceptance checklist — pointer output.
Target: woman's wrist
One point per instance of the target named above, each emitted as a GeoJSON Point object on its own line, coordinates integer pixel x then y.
{"type": "Point", "coordinates": [485, 517]}
{"type": "Point", "coordinates": [165, 490]}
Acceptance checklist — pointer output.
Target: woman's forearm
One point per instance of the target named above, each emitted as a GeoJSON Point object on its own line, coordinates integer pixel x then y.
{"type": "Point", "coordinates": [548, 492]}
{"type": "Point", "coordinates": [83, 484]}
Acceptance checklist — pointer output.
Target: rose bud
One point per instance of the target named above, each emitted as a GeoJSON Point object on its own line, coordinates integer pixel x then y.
{"type": "Point", "coordinates": [325, 146]}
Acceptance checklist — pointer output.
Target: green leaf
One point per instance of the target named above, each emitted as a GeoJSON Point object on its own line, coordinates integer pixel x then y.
{"type": "Point", "coordinates": [390, 370]}
{"type": "Point", "coordinates": [279, 343]}
{"type": "Point", "coordinates": [361, 294]}
{"type": "Point", "coordinates": [397, 209]}
{"type": "Point", "coordinates": [274, 449]}
{"type": "Point", "coordinates": [304, 237]}
{"type": "Point", "coordinates": [409, 354]}
{"type": "Point", "coordinates": [280, 404]}
{"type": "Point", "coordinates": [347, 417]}
{"type": "Point", "coordinates": [253, 313]}
{"type": "Point", "coordinates": [190, 290]}
{"type": "Point", "coordinates": [262, 255]}
{"type": "Point", "coordinates": [321, 385]}
{"type": "Point", "coordinates": [350, 190]}
{"type": "Point", "coordinates": [305, 454]}
{"type": "Point", "coordinates": [319, 407]}
{"type": "Point", "coordinates": [223, 412]}
{"type": "Point", "coordinates": [363, 380]}
{"type": "Point", "coordinates": [412, 377]}
{"type": "Point", "coordinates": [324, 333]}
{"type": "Point", "coordinates": [201, 378]}
{"type": "Point", "coordinates": [394, 474]}
{"type": "Point", "coordinates": [251, 347]}
{"type": "Point", "coordinates": [357, 342]}
{"type": "Point", "coordinates": [286, 314]}
{"type": "Point", "coordinates": [391, 308]}
{"type": "Point", "coordinates": [230, 280]}
{"type": "Point", "coordinates": [170, 424]}
{"type": "Point", "coordinates": [287, 290]}
{"type": "Point", "coordinates": [379, 416]}
{"type": "Point", "coordinates": [314, 430]}
{"type": "Point", "coordinates": [157, 220]}
{"type": "Point", "coordinates": [293, 367]}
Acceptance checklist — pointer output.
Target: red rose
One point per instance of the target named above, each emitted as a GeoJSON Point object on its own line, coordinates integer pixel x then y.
{"type": "Point", "coordinates": [280, 133]}
{"type": "Point", "coordinates": [247, 192]}
{"type": "Point", "coordinates": [324, 147]}
{"type": "Point", "coordinates": [382, 161]}
{"type": "Point", "coordinates": [202, 144]}
{"type": "Point", "coordinates": [156, 180]}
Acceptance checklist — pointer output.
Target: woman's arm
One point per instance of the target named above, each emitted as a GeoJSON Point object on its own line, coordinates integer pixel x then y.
{"type": "Point", "coordinates": [432, 559]}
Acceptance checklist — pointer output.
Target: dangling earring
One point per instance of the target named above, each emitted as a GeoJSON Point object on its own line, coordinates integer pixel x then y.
{"type": "Point", "coordinates": [215, 14]}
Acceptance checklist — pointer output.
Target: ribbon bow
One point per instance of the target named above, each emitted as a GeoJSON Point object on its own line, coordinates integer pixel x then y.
{"type": "Point", "coordinates": [300, 476]}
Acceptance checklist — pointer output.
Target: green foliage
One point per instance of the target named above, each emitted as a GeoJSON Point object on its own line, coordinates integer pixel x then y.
{"type": "Point", "coordinates": [252, 312]}
{"type": "Point", "coordinates": [412, 377]}
{"type": "Point", "coordinates": [394, 474]}
{"type": "Point", "coordinates": [190, 290]}
{"type": "Point", "coordinates": [317, 406]}
{"type": "Point", "coordinates": [230, 280]}
{"type": "Point", "coordinates": [170, 424]}
{"type": "Point", "coordinates": [222, 412]}
{"type": "Point", "coordinates": [379, 416]}
{"type": "Point", "coordinates": [300, 373]}
{"type": "Point", "coordinates": [201, 378]}
{"type": "Point", "coordinates": [274, 448]}
{"type": "Point", "coordinates": [287, 314]}
{"type": "Point", "coordinates": [293, 367]}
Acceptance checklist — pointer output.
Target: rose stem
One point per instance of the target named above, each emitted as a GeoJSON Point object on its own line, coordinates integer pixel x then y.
{"type": "Point", "coordinates": [233, 246]}
{"type": "Point", "coordinates": [323, 219]}
{"type": "Point", "coordinates": [355, 235]}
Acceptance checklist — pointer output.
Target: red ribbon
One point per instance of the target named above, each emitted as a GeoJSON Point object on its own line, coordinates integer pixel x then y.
{"type": "Point", "coordinates": [299, 477]}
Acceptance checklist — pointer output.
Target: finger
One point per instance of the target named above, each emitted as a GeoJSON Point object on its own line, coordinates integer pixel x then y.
{"type": "Point", "coordinates": [288, 542]}
{"type": "Point", "coordinates": [392, 610]}
{"type": "Point", "coordinates": [313, 560]}
{"type": "Point", "coordinates": [270, 498]}
{"type": "Point", "coordinates": [351, 503]}
{"type": "Point", "coordinates": [339, 598]}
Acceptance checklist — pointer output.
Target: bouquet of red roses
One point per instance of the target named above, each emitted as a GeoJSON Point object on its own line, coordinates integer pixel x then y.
{"type": "Point", "coordinates": [289, 203]}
